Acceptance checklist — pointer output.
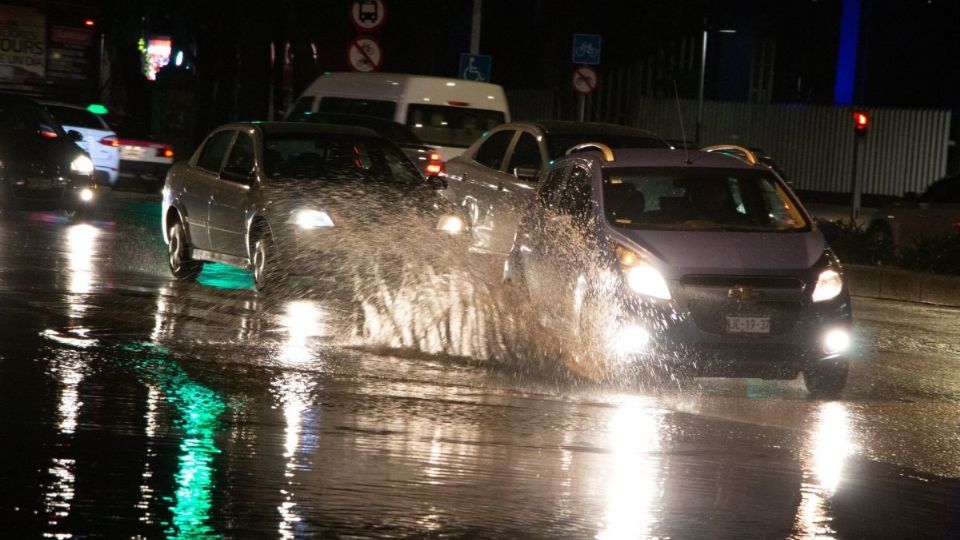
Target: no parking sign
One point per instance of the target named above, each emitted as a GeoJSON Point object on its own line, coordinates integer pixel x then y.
{"type": "Point", "coordinates": [584, 79]}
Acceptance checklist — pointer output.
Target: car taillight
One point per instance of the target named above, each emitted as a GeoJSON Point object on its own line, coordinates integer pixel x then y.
{"type": "Point", "coordinates": [434, 165]}
{"type": "Point", "coordinates": [48, 133]}
{"type": "Point", "coordinates": [110, 141]}
{"type": "Point", "coordinates": [165, 152]}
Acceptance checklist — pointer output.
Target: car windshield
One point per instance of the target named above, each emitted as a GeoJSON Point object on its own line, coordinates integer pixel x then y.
{"type": "Point", "coordinates": [559, 143]}
{"type": "Point", "coordinates": [699, 199]}
{"type": "Point", "coordinates": [394, 131]}
{"type": "Point", "coordinates": [72, 116]}
{"type": "Point", "coordinates": [451, 126]}
{"type": "Point", "coordinates": [18, 119]}
{"type": "Point", "coordinates": [337, 158]}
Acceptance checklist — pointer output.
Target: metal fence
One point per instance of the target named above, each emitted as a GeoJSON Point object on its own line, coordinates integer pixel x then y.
{"type": "Point", "coordinates": [905, 149]}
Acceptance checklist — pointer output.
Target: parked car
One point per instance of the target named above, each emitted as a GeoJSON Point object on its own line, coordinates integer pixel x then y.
{"type": "Point", "coordinates": [41, 162]}
{"type": "Point", "coordinates": [935, 213]}
{"type": "Point", "coordinates": [425, 157]}
{"type": "Point", "coordinates": [276, 197]}
{"type": "Point", "coordinates": [144, 161]}
{"type": "Point", "coordinates": [99, 139]}
{"type": "Point", "coordinates": [701, 261]}
{"type": "Point", "coordinates": [494, 178]}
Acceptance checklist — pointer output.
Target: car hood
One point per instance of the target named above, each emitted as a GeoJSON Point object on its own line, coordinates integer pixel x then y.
{"type": "Point", "coordinates": [21, 153]}
{"type": "Point", "coordinates": [715, 252]}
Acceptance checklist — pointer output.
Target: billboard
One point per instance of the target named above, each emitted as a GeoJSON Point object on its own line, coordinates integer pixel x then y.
{"type": "Point", "coordinates": [22, 44]}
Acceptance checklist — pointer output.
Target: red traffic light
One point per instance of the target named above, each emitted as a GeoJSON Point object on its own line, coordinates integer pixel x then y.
{"type": "Point", "coordinates": [860, 122]}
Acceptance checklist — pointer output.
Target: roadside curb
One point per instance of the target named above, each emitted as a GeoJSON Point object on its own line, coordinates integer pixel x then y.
{"type": "Point", "coordinates": [897, 284]}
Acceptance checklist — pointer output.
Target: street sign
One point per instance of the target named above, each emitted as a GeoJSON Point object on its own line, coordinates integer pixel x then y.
{"type": "Point", "coordinates": [364, 53]}
{"type": "Point", "coordinates": [586, 49]}
{"type": "Point", "coordinates": [475, 67]}
{"type": "Point", "coordinates": [368, 15]}
{"type": "Point", "coordinates": [584, 79]}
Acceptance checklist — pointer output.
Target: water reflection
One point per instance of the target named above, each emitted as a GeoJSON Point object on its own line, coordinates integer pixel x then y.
{"type": "Point", "coordinates": [81, 250]}
{"type": "Point", "coordinates": [198, 411]}
{"type": "Point", "coordinates": [830, 444]}
{"type": "Point", "coordinates": [293, 389]}
{"type": "Point", "coordinates": [633, 483]}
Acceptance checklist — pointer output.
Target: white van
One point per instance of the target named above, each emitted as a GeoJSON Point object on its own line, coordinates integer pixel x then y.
{"type": "Point", "coordinates": [447, 113]}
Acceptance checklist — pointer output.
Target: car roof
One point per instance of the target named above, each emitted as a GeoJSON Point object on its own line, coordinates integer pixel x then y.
{"type": "Point", "coordinates": [62, 104]}
{"type": "Point", "coordinates": [17, 98]}
{"type": "Point", "coordinates": [297, 128]}
{"type": "Point", "coordinates": [668, 157]}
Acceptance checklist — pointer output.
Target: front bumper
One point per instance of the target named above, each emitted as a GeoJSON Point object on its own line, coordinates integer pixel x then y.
{"type": "Point", "coordinates": [693, 333]}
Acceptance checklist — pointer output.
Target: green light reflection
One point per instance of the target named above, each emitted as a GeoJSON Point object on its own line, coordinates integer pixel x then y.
{"type": "Point", "coordinates": [222, 276]}
{"type": "Point", "coordinates": [198, 409]}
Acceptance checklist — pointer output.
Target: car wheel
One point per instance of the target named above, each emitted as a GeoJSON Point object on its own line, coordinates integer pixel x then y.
{"type": "Point", "coordinates": [181, 266]}
{"type": "Point", "coordinates": [826, 378]}
{"type": "Point", "coordinates": [263, 261]}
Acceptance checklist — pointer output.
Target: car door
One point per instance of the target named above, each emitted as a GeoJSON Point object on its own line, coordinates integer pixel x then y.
{"type": "Point", "coordinates": [233, 197]}
{"type": "Point", "coordinates": [200, 183]}
{"type": "Point", "coordinates": [473, 181]}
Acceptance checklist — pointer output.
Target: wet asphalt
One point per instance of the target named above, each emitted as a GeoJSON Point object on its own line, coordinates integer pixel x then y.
{"type": "Point", "coordinates": [135, 406]}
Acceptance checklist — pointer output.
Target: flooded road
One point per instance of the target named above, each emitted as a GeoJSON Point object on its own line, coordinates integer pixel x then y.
{"type": "Point", "coordinates": [134, 406]}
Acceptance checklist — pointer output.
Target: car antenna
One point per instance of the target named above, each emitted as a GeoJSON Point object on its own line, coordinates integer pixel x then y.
{"type": "Point", "coordinates": [683, 133]}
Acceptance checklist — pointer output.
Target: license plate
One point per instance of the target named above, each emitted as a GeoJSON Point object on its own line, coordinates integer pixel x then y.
{"type": "Point", "coordinates": [748, 325]}
{"type": "Point", "coordinates": [131, 153]}
{"type": "Point", "coordinates": [39, 183]}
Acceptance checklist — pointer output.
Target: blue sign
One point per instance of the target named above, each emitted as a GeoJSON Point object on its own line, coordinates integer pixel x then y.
{"type": "Point", "coordinates": [475, 67]}
{"type": "Point", "coordinates": [586, 49]}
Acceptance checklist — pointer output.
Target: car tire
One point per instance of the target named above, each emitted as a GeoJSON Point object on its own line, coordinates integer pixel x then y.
{"type": "Point", "coordinates": [826, 378]}
{"type": "Point", "coordinates": [181, 266]}
{"type": "Point", "coordinates": [263, 259]}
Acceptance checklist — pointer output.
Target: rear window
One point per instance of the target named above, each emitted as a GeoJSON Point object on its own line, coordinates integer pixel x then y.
{"type": "Point", "coordinates": [451, 126]}
{"type": "Point", "coordinates": [21, 119]}
{"type": "Point", "coordinates": [337, 159]}
{"type": "Point", "coordinates": [81, 118]}
{"type": "Point", "coordinates": [559, 143]}
{"type": "Point", "coordinates": [699, 199]}
{"type": "Point", "coordinates": [370, 107]}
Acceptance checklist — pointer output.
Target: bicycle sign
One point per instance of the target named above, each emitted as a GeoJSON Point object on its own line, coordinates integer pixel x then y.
{"type": "Point", "coordinates": [364, 53]}
{"type": "Point", "coordinates": [586, 49]}
{"type": "Point", "coordinates": [475, 67]}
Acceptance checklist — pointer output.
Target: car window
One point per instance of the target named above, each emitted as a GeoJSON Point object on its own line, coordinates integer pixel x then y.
{"type": "Point", "coordinates": [699, 199]}
{"type": "Point", "coordinates": [337, 158]}
{"type": "Point", "coordinates": [242, 155]}
{"type": "Point", "coordinates": [526, 153]}
{"type": "Point", "coordinates": [559, 143]}
{"type": "Point", "coordinates": [300, 109]}
{"type": "Point", "coordinates": [72, 116]}
{"type": "Point", "coordinates": [493, 150]}
{"type": "Point", "coordinates": [21, 120]}
{"type": "Point", "coordinates": [370, 107]}
{"type": "Point", "coordinates": [451, 126]}
{"type": "Point", "coordinates": [211, 157]}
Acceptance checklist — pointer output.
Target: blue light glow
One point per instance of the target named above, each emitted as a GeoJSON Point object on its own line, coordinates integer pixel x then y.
{"type": "Point", "coordinates": [847, 52]}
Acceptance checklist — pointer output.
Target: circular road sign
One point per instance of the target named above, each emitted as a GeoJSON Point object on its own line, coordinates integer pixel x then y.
{"type": "Point", "coordinates": [364, 53]}
{"type": "Point", "coordinates": [584, 79]}
{"type": "Point", "coordinates": [368, 15]}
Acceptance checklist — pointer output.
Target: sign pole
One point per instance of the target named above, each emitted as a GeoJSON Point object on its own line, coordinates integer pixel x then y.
{"type": "Point", "coordinates": [855, 181]}
{"type": "Point", "coordinates": [581, 106]}
{"type": "Point", "coordinates": [475, 26]}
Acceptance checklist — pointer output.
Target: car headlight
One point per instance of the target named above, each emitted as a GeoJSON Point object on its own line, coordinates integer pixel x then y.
{"type": "Point", "coordinates": [86, 194]}
{"type": "Point", "coordinates": [450, 223]}
{"type": "Point", "coordinates": [82, 165]}
{"type": "Point", "coordinates": [828, 285]}
{"type": "Point", "coordinates": [312, 219]}
{"type": "Point", "coordinates": [642, 277]}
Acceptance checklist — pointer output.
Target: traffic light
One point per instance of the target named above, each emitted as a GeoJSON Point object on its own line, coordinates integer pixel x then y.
{"type": "Point", "coordinates": [861, 121]}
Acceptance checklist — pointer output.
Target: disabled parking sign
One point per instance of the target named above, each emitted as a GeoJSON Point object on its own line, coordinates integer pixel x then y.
{"type": "Point", "coordinates": [475, 67]}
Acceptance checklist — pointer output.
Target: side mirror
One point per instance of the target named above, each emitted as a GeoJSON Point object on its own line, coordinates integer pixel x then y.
{"type": "Point", "coordinates": [234, 173]}
{"type": "Point", "coordinates": [74, 135]}
{"type": "Point", "coordinates": [829, 229]}
{"type": "Point", "coordinates": [437, 182]}
{"type": "Point", "coordinates": [524, 173]}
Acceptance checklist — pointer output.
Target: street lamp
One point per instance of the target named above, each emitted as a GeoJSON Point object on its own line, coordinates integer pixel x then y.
{"type": "Point", "coordinates": [703, 74]}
